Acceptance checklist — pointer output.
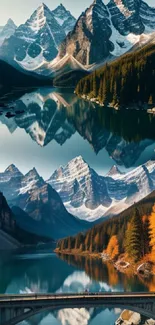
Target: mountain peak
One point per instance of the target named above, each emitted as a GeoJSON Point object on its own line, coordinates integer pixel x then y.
{"type": "Point", "coordinates": [77, 160]}
{"type": "Point", "coordinates": [12, 169]}
{"type": "Point", "coordinates": [64, 18]}
{"type": "Point", "coordinates": [114, 171]}
{"type": "Point", "coordinates": [33, 172]}
{"type": "Point", "coordinates": [60, 7]}
{"type": "Point", "coordinates": [10, 22]}
{"type": "Point", "coordinates": [43, 6]}
{"type": "Point", "coordinates": [99, 2]}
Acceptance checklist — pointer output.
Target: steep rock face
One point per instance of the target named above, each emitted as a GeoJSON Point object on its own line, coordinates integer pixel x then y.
{"type": "Point", "coordinates": [147, 15]}
{"type": "Point", "coordinates": [84, 42]}
{"type": "Point", "coordinates": [90, 196]}
{"type": "Point", "coordinates": [64, 18]}
{"type": "Point", "coordinates": [7, 31]}
{"type": "Point", "coordinates": [103, 32]}
{"type": "Point", "coordinates": [125, 16]}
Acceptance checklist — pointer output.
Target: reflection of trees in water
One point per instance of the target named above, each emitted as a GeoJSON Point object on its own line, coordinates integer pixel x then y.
{"type": "Point", "coordinates": [100, 271]}
{"type": "Point", "coordinates": [131, 125]}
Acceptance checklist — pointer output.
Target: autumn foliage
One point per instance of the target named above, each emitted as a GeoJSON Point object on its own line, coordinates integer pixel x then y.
{"type": "Point", "coordinates": [113, 247]}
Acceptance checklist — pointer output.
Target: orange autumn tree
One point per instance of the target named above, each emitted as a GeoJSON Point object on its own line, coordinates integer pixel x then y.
{"type": "Point", "coordinates": [152, 232]}
{"type": "Point", "coordinates": [113, 247]}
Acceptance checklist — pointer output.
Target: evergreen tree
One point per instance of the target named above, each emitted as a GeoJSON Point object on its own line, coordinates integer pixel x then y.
{"type": "Point", "coordinates": [134, 244]}
{"type": "Point", "coordinates": [94, 85]}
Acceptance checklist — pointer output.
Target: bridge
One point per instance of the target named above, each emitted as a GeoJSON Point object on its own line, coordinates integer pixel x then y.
{"type": "Point", "coordinates": [16, 308]}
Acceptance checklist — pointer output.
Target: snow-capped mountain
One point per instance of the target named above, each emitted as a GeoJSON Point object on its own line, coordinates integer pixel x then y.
{"type": "Point", "coordinates": [36, 42]}
{"type": "Point", "coordinates": [103, 32]}
{"type": "Point", "coordinates": [64, 18]}
{"type": "Point", "coordinates": [37, 207]}
{"type": "Point", "coordinates": [90, 196]}
{"type": "Point", "coordinates": [7, 31]}
{"type": "Point", "coordinates": [80, 184]}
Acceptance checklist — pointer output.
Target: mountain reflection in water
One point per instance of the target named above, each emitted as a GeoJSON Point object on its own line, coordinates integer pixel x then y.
{"type": "Point", "coordinates": [55, 115]}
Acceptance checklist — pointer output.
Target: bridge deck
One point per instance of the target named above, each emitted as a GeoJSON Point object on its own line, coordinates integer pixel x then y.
{"type": "Point", "coordinates": [26, 297]}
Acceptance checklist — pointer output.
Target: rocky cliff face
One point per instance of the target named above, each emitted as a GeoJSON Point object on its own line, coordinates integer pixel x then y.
{"type": "Point", "coordinates": [89, 41]}
{"type": "Point", "coordinates": [105, 31]}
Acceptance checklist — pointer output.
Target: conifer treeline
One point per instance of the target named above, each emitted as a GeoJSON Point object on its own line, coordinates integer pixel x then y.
{"type": "Point", "coordinates": [129, 80]}
{"type": "Point", "coordinates": [132, 233]}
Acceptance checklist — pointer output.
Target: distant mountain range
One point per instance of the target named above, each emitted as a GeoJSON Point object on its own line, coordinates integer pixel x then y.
{"type": "Point", "coordinates": [37, 207]}
{"type": "Point", "coordinates": [41, 207]}
{"type": "Point", "coordinates": [91, 196]}
{"type": "Point", "coordinates": [101, 33]}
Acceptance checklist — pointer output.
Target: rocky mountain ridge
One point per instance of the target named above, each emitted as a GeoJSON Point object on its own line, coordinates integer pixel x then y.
{"type": "Point", "coordinates": [91, 196]}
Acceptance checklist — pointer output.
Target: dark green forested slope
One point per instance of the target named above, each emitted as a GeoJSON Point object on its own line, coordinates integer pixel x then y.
{"type": "Point", "coordinates": [129, 80]}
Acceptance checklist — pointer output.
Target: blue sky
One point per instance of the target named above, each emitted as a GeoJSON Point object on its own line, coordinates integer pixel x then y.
{"type": "Point", "coordinates": [20, 10]}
